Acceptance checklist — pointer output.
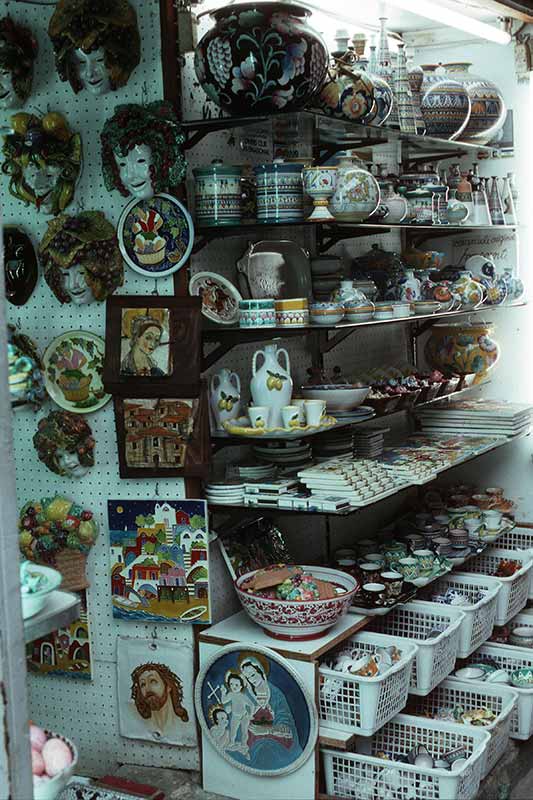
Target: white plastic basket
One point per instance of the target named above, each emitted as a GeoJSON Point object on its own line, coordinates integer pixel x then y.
{"type": "Point", "coordinates": [363, 705]}
{"type": "Point", "coordinates": [515, 590]}
{"type": "Point", "coordinates": [499, 699]}
{"type": "Point", "coordinates": [413, 622]}
{"type": "Point", "coordinates": [479, 617]}
{"type": "Point", "coordinates": [519, 538]}
{"type": "Point", "coordinates": [361, 775]}
{"type": "Point", "coordinates": [509, 659]}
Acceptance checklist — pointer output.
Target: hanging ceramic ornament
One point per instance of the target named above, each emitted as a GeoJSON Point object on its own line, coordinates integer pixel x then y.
{"type": "Point", "coordinates": [495, 204]}
{"type": "Point", "coordinates": [142, 150]}
{"type": "Point", "coordinates": [64, 443]}
{"type": "Point", "coordinates": [96, 43]}
{"type": "Point", "coordinates": [402, 95]}
{"type": "Point", "coordinates": [81, 258]}
{"type": "Point", "coordinates": [43, 160]}
{"type": "Point", "coordinates": [18, 51]}
{"type": "Point", "coordinates": [20, 265]}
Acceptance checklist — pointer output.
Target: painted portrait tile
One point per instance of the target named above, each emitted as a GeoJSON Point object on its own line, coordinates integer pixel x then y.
{"type": "Point", "coordinates": [145, 342]}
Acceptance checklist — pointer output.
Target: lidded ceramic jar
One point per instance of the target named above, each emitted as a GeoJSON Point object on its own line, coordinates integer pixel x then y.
{"type": "Point", "coordinates": [445, 104]}
{"type": "Point", "coordinates": [488, 110]}
{"type": "Point", "coordinates": [459, 349]}
{"type": "Point", "coordinates": [261, 58]}
{"type": "Point", "coordinates": [217, 192]}
{"type": "Point", "coordinates": [279, 192]}
{"type": "Point", "coordinates": [357, 194]}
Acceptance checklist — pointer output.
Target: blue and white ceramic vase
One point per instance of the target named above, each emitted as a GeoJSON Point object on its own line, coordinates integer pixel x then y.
{"type": "Point", "coordinates": [279, 192]}
{"type": "Point", "coordinates": [217, 191]}
{"type": "Point", "coordinates": [445, 103]}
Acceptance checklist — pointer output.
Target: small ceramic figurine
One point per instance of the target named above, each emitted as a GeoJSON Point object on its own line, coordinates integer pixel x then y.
{"type": "Point", "coordinates": [65, 443]}
{"type": "Point", "coordinates": [142, 150]}
{"type": "Point", "coordinates": [20, 266]}
{"type": "Point", "coordinates": [43, 160]}
{"type": "Point", "coordinates": [96, 43]}
{"type": "Point", "coordinates": [26, 386]}
{"type": "Point", "coordinates": [18, 51]}
{"type": "Point", "coordinates": [81, 258]}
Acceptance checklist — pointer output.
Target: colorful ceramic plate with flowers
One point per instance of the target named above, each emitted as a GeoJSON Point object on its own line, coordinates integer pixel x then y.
{"type": "Point", "coordinates": [73, 365]}
{"type": "Point", "coordinates": [220, 298]}
{"type": "Point", "coordinates": [155, 236]}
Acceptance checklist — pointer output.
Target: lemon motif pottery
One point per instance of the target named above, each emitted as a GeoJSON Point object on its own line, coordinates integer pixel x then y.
{"type": "Point", "coordinates": [462, 349]}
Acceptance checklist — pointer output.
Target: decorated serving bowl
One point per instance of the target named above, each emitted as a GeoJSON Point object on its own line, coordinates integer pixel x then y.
{"type": "Point", "coordinates": [341, 397]}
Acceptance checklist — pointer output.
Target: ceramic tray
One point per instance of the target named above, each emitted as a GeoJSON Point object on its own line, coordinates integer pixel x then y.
{"type": "Point", "coordinates": [380, 611]}
{"type": "Point", "coordinates": [241, 427]}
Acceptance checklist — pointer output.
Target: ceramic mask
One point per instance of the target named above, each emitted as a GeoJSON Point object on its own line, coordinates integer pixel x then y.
{"type": "Point", "coordinates": [8, 96]}
{"type": "Point", "coordinates": [134, 170]}
{"type": "Point", "coordinates": [42, 181]}
{"type": "Point", "coordinates": [70, 463]}
{"type": "Point", "coordinates": [20, 266]}
{"type": "Point", "coordinates": [76, 286]}
{"type": "Point", "coordinates": [92, 71]}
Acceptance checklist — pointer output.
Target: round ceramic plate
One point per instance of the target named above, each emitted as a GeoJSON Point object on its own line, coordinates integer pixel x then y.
{"type": "Point", "coordinates": [73, 365]}
{"type": "Point", "coordinates": [155, 236]}
{"type": "Point", "coordinates": [220, 298]}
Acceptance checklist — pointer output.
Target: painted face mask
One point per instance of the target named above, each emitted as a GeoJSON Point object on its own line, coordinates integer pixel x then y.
{"type": "Point", "coordinates": [42, 181]}
{"type": "Point", "coordinates": [18, 51]}
{"type": "Point", "coordinates": [65, 443]}
{"type": "Point", "coordinates": [92, 71]}
{"type": "Point", "coordinates": [135, 171]}
{"type": "Point", "coordinates": [75, 285]}
{"type": "Point", "coordinates": [20, 266]}
{"type": "Point", "coordinates": [8, 95]}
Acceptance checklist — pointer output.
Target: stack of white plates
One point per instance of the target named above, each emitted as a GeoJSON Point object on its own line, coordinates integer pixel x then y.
{"type": "Point", "coordinates": [255, 471]}
{"type": "Point", "coordinates": [225, 493]}
{"type": "Point", "coordinates": [360, 414]}
{"type": "Point", "coordinates": [334, 443]}
{"type": "Point", "coordinates": [287, 456]}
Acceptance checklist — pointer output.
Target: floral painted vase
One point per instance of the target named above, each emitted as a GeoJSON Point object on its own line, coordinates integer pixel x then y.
{"type": "Point", "coordinates": [410, 287]}
{"type": "Point", "coordinates": [458, 349]}
{"type": "Point", "coordinates": [488, 110]}
{"type": "Point", "coordinates": [260, 58]}
{"type": "Point", "coordinates": [347, 94]}
{"type": "Point", "coordinates": [271, 384]}
{"type": "Point", "coordinates": [445, 103]}
{"type": "Point", "coordinates": [470, 292]}
{"type": "Point", "coordinates": [224, 397]}
{"type": "Point", "coordinates": [357, 195]}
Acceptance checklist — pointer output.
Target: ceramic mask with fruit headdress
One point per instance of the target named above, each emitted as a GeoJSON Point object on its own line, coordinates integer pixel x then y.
{"type": "Point", "coordinates": [142, 150]}
{"type": "Point", "coordinates": [65, 443]}
{"type": "Point", "coordinates": [96, 43]}
{"type": "Point", "coordinates": [81, 258]}
{"type": "Point", "coordinates": [18, 51]}
{"type": "Point", "coordinates": [43, 160]}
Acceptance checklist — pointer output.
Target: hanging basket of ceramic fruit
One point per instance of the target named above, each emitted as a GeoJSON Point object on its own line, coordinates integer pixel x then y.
{"type": "Point", "coordinates": [58, 532]}
{"type": "Point", "coordinates": [53, 759]}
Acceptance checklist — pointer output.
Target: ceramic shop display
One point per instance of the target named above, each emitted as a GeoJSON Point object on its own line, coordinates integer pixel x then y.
{"type": "Point", "coordinates": [217, 194]}
{"type": "Point", "coordinates": [348, 92]}
{"type": "Point", "coordinates": [271, 383]}
{"type": "Point", "coordinates": [25, 371]}
{"type": "Point", "coordinates": [155, 235]}
{"type": "Point", "coordinates": [96, 47]}
{"type": "Point", "coordinates": [21, 270]}
{"type": "Point", "coordinates": [470, 292]}
{"type": "Point", "coordinates": [73, 366]}
{"type": "Point", "coordinates": [357, 195]}
{"type": "Point", "coordinates": [279, 192]}
{"type": "Point", "coordinates": [261, 58]}
{"type": "Point", "coordinates": [18, 51]}
{"type": "Point", "coordinates": [42, 157]}
{"type": "Point", "coordinates": [64, 442]}
{"type": "Point", "coordinates": [319, 185]}
{"type": "Point", "coordinates": [81, 258]}
{"type": "Point", "coordinates": [142, 150]}
{"type": "Point", "coordinates": [445, 103]}
{"type": "Point", "coordinates": [224, 397]}
{"type": "Point", "coordinates": [488, 110]}
{"type": "Point", "coordinates": [257, 313]}
{"type": "Point", "coordinates": [220, 298]}
{"type": "Point", "coordinates": [275, 269]}
{"type": "Point", "coordinates": [421, 204]}
{"type": "Point", "coordinates": [460, 349]}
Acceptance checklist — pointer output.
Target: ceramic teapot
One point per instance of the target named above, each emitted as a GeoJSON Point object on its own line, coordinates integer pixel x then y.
{"type": "Point", "coordinates": [271, 383]}
{"type": "Point", "coordinates": [470, 292]}
{"type": "Point", "coordinates": [224, 397]}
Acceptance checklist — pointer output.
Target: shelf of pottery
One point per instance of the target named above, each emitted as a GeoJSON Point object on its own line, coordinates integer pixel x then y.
{"type": "Point", "coordinates": [405, 663]}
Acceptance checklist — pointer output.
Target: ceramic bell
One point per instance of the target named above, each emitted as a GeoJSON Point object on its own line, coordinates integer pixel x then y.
{"type": "Point", "coordinates": [271, 383]}
{"type": "Point", "coordinates": [224, 397]}
{"type": "Point", "coordinates": [96, 44]}
{"type": "Point", "coordinates": [18, 51]}
{"type": "Point", "coordinates": [20, 266]}
{"type": "Point", "coordinates": [142, 150]}
{"type": "Point", "coordinates": [64, 443]}
{"type": "Point", "coordinates": [81, 258]}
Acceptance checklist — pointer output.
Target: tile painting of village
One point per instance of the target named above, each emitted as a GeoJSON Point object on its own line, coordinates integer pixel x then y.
{"type": "Point", "coordinates": [65, 652]}
{"type": "Point", "coordinates": [159, 560]}
{"type": "Point", "coordinates": [157, 432]}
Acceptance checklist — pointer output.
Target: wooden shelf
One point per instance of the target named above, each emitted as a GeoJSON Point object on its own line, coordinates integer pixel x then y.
{"type": "Point", "coordinates": [61, 609]}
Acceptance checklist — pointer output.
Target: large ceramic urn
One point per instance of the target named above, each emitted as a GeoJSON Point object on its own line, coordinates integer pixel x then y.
{"type": "Point", "coordinates": [261, 58]}
{"type": "Point", "coordinates": [271, 383]}
{"type": "Point", "coordinates": [459, 349]}
{"type": "Point", "coordinates": [445, 103]}
{"type": "Point", "coordinates": [488, 112]}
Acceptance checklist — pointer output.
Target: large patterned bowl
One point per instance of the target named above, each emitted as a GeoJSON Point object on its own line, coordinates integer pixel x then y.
{"type": "Point", "coordinates": [261, 58]}
{"type": "Point", "coordinates": [310, 619]}
{"type": "Point", "coordinates": [458, 349]}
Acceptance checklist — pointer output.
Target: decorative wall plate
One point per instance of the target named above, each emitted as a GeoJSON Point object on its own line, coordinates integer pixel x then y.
{"type": "Point", "coordinates": [73, 365]}
{"type": "Point", "coordinates": [220, 298]}
{"type": "Point", "coordinates": [256, 711]}
{"type": "Point", "coordinates": [155, 236]}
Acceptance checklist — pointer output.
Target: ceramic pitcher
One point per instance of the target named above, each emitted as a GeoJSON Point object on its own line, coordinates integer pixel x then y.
{"type": "Point", "coordinates": [271, 383]}
{"type": "Point", "coordinates": [224, 397]}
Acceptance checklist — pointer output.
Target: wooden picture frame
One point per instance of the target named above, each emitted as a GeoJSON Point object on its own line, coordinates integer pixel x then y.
{"type": "Point", "coordinates": [154, 432]}
{"type": "Point", "coordinates": [153, 346]}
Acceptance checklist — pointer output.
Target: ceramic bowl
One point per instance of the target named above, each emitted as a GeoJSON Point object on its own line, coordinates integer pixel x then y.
{"type": "Point", "coordinates": [49, 790]}
{"type": "Point", "coordinates": [360, 314]}
{"type": "Point", "coordinates": [383, 311]}
{"type": "Point", "coordinates": [470, 674]}
{"type": "Point", "coordinates": [384, 405]}
{"type": "Point", "coordinates": [522, 637]}
{"type": "Point", "coordinates": [326, 313]}
{"type": "Point", "coordinates": [35, 602]}
{"type": "Point", "coordinates": [288, 620]}
{"type": "Point", "coordinates": [425, 307]}
{"type": "Point", "coordinates": [400, 310]}
{"type": "Point", "coordinates": [338, 398]}
{"type": "Point", "coordinates": [295, 318]}
{"type": "Point", "coordinates": [522, 678]}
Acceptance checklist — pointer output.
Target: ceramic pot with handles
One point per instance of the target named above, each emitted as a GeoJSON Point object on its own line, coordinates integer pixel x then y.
{"type": "Point", "coordinates": [224, 397]}
{"type": "Point", "coordinates": [271, 383]}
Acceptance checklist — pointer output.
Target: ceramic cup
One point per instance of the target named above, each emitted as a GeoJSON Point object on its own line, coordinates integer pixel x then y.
{"type": "Point", "coordinates": [259, 416]}
{"type": "Point", "coordinates": [375, 593]}
{"type": "Point", "coordinates": [443, 519]}
{"type": "Point", "coordinates": [494, 491]}
{"type": "Point", "coordinates": [473, 526]}
{"type": "Point", "coordinates": [483, 501]}
{"type": "Point", "coordinates": [458, 537]}
{"type": "Point", "coordinates": [375, 558]}
{"type": "Point", "coordinates": [393, 581]}
{"type": "Point", "coordinates": [415, 540]}
{"type": "Point", "coordinates": [348, 565]}
{"type": "Point", "coordinates": [300, 402]}
{"type": "Point", "coordinates": [492, 519]}
{"type": "Point", "coordinates": [442, 545]}
{"type": "Point", "coordinates": [408, 567]}
{"type": "Point", "coordinates": [291, 417]}
{"type": "Point", "coordinates": [425, 560]}
{"type": "Point", "coordinates": [369, 572]}
{"type": "Point", "coordinates": [394, 550]}
{"type": "Point", "coordinates": [367, 546]}
{"type": "Point", "coordinates": [314, 411]}
{"type": "Point", "coordinates": [345, 552]}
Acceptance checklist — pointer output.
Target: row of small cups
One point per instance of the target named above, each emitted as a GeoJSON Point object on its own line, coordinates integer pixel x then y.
{"type": "Point", "coordinates": [271, 313]}
{"type": "Point", "coordinates": [308, 412]}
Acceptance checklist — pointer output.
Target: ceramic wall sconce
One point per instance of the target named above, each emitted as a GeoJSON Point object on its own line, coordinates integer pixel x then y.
{"type": "Point", "coordinates": [43, 160]}
{"type": "Point", "coordinates": [18, 51]}
{"type": "Point", "coordinates": [142, 150]}
{"type": "Point", "coordinates": [81, 258]}
{"type": "Point", "coordinates": [96, 43]}
{"type": "Point", "coordinates": [65, 443]}
{"type": "Point", "coordinates": [20, 265]}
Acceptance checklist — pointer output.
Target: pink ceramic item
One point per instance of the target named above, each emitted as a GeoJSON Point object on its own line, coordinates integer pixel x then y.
{"type": "Point", "coordinates": [37, 762]}
{"type": "Point", "coordinates": [57, 756]}
{"type": "Point", "coordinates": [286, 619]}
